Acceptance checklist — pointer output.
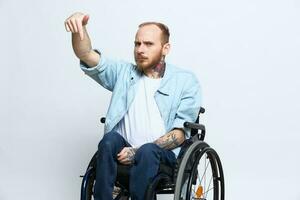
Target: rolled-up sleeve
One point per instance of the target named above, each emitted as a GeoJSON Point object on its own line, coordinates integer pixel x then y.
{"type": "Point", "coordinates": [189, 106]}
{"type": "Point", "coordinates": [106, 72]}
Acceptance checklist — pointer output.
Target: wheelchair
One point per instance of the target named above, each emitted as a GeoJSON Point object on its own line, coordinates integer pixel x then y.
{"type": "Point", "coordinates": [198, 174]}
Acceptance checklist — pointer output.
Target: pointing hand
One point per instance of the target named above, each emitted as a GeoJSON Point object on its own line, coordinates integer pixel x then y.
{"type": "Point", "coordinates": [76, 22]}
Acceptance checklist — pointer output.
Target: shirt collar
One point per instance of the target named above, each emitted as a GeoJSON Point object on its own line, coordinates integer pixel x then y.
{"type": "Point", "coordinates": [164, 87]}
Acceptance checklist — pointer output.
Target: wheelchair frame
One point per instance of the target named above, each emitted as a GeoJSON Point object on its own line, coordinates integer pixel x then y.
{"type": "Point", "coordinates": [168, 180]}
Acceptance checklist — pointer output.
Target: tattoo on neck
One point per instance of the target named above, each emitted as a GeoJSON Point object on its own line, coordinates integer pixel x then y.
{"type": "Point", "coordinates": [160, 68]}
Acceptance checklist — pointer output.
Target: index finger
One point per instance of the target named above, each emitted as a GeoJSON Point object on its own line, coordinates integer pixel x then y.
{"type": "Point", "coordinates": [66, 26]}
{"type": "Point", "coordinates": [121, 156]}
{"type": "Point", "coordinates": [121, 152]}
{"type": "Point", "coordinates": [80, 30]}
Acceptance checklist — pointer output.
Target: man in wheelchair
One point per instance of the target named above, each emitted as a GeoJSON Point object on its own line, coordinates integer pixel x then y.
{"type": "Point", "coordinates": [150, 102]}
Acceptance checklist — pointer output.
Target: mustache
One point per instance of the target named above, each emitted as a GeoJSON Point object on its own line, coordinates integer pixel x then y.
{"type": "Point", "coordinates": [141, 57]}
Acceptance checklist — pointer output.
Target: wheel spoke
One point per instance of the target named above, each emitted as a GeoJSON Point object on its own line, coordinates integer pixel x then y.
{"type": "Point", "coordinates": [208, 187]}
{"type": "Point", "coordinates": [208, 191]}
{"type": "Point", "coordinates": [204, 173]}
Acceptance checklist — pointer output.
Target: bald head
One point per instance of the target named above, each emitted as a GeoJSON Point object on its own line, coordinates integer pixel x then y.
{"type": "Point", "coordinates": [165, 34]}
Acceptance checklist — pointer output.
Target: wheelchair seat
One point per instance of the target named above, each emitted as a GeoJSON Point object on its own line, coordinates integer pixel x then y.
{"type": "Point", "coordinates": [167, 181]}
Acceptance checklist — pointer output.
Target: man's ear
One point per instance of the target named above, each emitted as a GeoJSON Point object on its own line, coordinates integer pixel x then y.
{"type": "Point", "coordinates": [166, 49]}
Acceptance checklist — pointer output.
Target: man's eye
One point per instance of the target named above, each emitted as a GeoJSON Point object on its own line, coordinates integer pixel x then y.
{"type": "Point", "coordinates": [149, 43]}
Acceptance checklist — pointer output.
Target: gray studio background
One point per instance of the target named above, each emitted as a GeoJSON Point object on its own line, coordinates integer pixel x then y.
{"type": "Point", "coordinates": [245, 54]}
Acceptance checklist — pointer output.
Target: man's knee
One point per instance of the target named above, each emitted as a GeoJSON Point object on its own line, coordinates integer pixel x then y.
{"type": "Point", "coordinates": [109, 139]}
{"type": "Point", "coordinates": [148, 150]}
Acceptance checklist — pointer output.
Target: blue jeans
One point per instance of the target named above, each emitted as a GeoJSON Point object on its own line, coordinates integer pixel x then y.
{"type": "Point", "coordinates": [142, 172]}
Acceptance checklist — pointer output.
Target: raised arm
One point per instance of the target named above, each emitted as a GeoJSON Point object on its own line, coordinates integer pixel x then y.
{"type": "Point", "coordinates": [76, 24]}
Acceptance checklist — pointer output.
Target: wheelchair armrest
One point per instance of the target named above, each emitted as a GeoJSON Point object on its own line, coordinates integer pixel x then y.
{"type": "Point", "coordinates": [194, 126]}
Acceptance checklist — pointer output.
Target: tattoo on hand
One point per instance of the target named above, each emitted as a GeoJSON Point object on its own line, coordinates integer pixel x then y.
{"type": "Point", "coordinates": [130, 154]}
{"type": "Point", "coordinates": [126, 156]}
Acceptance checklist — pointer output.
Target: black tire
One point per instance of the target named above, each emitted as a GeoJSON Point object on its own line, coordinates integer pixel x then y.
{"type": "Point", "coordinates": [90, 187]}
{"type": "Point", "coordinates": [191, 178]}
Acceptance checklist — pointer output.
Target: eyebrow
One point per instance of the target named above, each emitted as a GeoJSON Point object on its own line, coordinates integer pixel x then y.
{"type": "Point", "coordinates": [147, 42]}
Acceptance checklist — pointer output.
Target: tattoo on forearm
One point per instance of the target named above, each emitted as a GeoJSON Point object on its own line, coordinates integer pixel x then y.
{"type": "Point", "coordinates": [168, 141]}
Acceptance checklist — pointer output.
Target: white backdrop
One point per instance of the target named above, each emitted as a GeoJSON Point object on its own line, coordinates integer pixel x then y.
{"type": "Point", "coordinates": [245, 54]}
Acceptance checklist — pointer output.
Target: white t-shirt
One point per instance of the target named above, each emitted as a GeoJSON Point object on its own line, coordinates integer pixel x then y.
{"type": "Point", "coordinates": [143, 122]}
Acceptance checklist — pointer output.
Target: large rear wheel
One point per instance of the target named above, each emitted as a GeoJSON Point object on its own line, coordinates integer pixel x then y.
{"type": "Point", "coordinates": [200, 175]}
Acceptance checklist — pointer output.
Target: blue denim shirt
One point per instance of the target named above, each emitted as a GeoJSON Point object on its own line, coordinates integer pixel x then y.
{"type": "Point", "coordinates": [178, 97]}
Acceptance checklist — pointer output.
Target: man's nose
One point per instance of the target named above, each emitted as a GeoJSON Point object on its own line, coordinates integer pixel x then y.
{"type": "Point", "coordinates": [141, 49]}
